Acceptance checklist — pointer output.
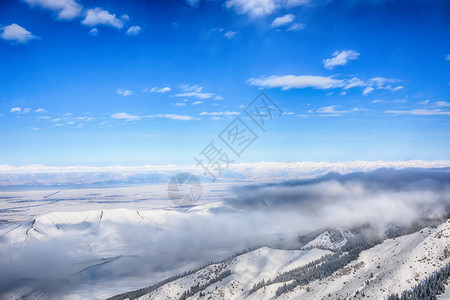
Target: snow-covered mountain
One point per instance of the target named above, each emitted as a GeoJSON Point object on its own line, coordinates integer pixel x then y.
{"type": "Point", "coordinates": [100, 253]}
{"type": "Point", "coordinates": [392, 266]}
{"type": "Point", "coordinates": [89, 249]}
{"type": "Point", "coordinates": [331, 239]}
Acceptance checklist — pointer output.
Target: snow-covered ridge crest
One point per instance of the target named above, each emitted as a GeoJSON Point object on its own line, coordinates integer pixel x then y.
{"type": "Point", "coordinates": [331, 239]}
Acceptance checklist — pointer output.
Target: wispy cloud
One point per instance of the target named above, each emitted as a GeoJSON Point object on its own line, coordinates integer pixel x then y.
{"type": "Point", "coordinates": [254, 8]}
{"type": "Point", "coordinates": [286, 82]}
{"type": "Point", "coordinates": [16, 34]}
{"type": "Point", "coordinates": [134, 30]}
{"type": "Point", "coordinates": [221, 113]}
{"type": "Point", "coordinates": [261, 8]}
{"type": "Point", "coordinates": [296, 27]}
{"type": "Point", "coordinates": [443, 103]}
{"type": "Point", "coordinates": [194, 91]}
{"type": "Point", "coordinates": [332, 109]}
{"type": "Point", "coordinates": [98, 16]}
{"type": "Point", "coordinates": [421, 112]}
{"type": "Point", "coordinates": [15, 110]}
{"type": "Point", "coordinates": [193, 3]}
{"type": "Point", "coordinates": [230, 34]}
{"type": "Point", "coordinates": [368, 90]}
{"type": "Point", "coordinates": [65, 9]}
{"type": "Point", "coordinates": [158, 90]}
{"type": "Point", "coordinates": [93, 32]}
{"type": "Point", "coordinates": [125, 116]}
{"type": "Point", "coordinates": [197, 102]}
{"type": "Point", "coordinates": [172, 117]}
{"type": "Point", "coordinates": [40, 110]}
{"type": "Point", "coordinates": [292, 81]}
{"type": "Point", "coordinates": [125, 93]}
{"type": "Point", "coordinates": [20, 110]}
{"type": "Point", "coordinates": [335, 111]}
{"type": "Point", "coordinates": [381, 83]}
{"type": "Point", "coordinates": [282, 21]}
{"type": "Point", "coordinates": [340, 58]}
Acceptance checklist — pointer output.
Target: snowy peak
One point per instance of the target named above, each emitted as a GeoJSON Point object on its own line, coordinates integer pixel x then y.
{"type": "Point", "coordinates": [331, 239]}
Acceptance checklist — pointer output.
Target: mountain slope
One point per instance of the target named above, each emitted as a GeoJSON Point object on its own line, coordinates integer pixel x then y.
{"type": "Point", "coordinates": [392, 266]}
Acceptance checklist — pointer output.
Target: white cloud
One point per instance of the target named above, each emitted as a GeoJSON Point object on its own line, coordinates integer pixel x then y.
{"type": "Point", "coordinates": [443, 103]}
{"type": "Point", "coordinates": [26, 110]}
{"type": "Point", "coordinates": [180, 104]}
{"type": "Point", "coordinates": [282, 21]}
{"type": "Point", "coordinates": [296, 27]}
{"type": "Point", "coordinates": [125, 116]}
{"type": "Point", "coordinates": [340, 59]}
{"type": "Point", "coordinates": [222, 113]}
{"type": "Point", "coordinates": [172, 117]}
{"type": "Point", "coordinates": [125, 93]}
{"type": "Point", "coordinates": [230, 34]}
{"type": "Point", "coordinates": [447, 57]}
{"type": "Point", "coordinates": [158, 90]}
{"type": "Point", "coordinates": [84, 118]}
{"type": "Point", "coordinates": [421, 112]}
{"type": "Point", "coordinates": [66, 9]}
{"type": "Point", "coordinates": [194, 91]}
{"type": "Point", "coordinates": [393, 89]}
{"type": "Point", "coordinates": [15, 109]}
{"type": "Point", "coordinates": [379, 101]}
{"type": "Point", "coordinates": [93, 31]}
{"type": "Point", "coordinates": [197, 102]}
{"type": "Point", "coordinates": [380, 83]}
{"type": "Point", "coordinates": [254, 8]}
{"type": "Point", "coordinates": [16, 34]}
{"type": "Point", "coordinates": [368, 90]}
{"type": "Point", "coordinates": [354, 82]}
{"type": "Point", "coordinates": [134, 30]}
{"type": "Point", "coordinates": [292, 81]}
{"type": "Point", "coordinates": [332, 110]}
{"type": "Point", "coordinates": [324, 82]}
{"type": "Point", "coordinates": [261, 8]}
{"type": "Point", "coordinates": [98, 16]}
{"type": "Point", "coordinates": [425, 102]}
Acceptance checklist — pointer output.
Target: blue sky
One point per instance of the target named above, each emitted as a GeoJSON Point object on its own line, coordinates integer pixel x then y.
{"type": "Point", "coordinates": [153, 82]}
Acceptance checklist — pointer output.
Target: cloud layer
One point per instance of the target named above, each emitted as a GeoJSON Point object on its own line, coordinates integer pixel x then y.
{"type": "Point", "coordinates": [380, 198]}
